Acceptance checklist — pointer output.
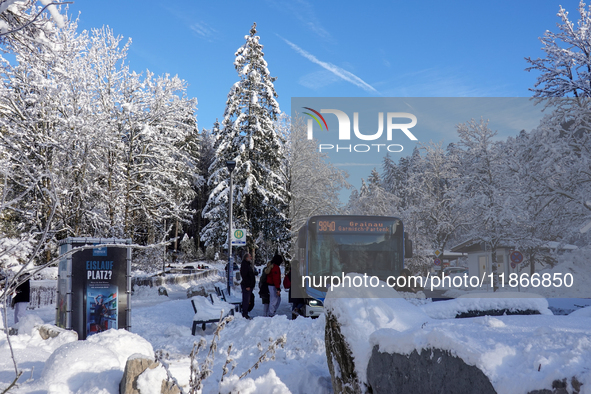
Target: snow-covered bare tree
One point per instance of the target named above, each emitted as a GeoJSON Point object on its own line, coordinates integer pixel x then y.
{"type": "Point", "coordinates": [540, 219]}
{"type": "Point", "coordinates": [118, 145]}
{"type": "Point", "coordinates": [157, 119]}
{"type": "Point", "coordinates": [314, 182]}
{"type": "Point", "coordinates": [488, 197]}
{"type": "Point", "coordinates": [36, 105]}
{"type": "Point", "coordinates": [25, 20]}
{"type": "Point", "coordinates": [566, 69]}
{"type": "Point", "coordinates": [562, 166]}
{"type": "Point", "coordinates": [248, 136]}
{"type": "Point", "coordinates": [438, 210]}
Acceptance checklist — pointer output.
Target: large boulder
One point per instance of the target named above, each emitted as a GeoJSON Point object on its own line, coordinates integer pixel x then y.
{"type": "Point", "coordinates": [47, 331]}
{"type": "Point", "coordinates": [428, 372]}
{"type": "Point", "coordinates": [135, 366]}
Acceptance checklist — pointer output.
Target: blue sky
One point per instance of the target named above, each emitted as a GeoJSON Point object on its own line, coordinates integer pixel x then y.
{"type": "Point", "coordinates": [336, 49]}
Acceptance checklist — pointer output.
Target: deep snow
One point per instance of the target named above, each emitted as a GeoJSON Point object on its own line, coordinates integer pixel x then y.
{"type": "Point", "coordinates": [515, 352]}
{"type": "Point", "coordinates": [164, 323]}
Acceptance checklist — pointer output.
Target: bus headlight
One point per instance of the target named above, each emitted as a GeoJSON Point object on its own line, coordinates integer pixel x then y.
{"type": "Point", "coordinates": [315, 303]}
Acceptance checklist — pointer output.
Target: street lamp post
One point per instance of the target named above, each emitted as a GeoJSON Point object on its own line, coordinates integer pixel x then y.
{"type": "Point", "coordinates": [230, 164]}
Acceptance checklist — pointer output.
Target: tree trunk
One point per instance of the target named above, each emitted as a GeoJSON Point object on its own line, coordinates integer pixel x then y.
{"type": "Point", "coordinates": [494, 270]}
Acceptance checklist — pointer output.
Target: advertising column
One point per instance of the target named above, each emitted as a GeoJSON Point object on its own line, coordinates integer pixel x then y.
{"type": "Point", "coordinates": [100, 287]}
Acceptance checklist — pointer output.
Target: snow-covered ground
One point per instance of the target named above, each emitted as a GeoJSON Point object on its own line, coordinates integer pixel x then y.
{"type": "Point", "coordinates": [556, 345]}
{"type": "Point", "coordinates": [165, 323]}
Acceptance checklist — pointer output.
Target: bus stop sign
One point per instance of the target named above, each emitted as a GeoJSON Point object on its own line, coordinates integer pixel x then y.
{"type": "Point", "coordinates": [239, 237]}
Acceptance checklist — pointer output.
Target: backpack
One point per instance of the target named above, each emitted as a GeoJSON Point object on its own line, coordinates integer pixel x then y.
{"type": "Point", "coordinates": [287, 281]}
{"type": "Point", "coordinates": [263, 288]}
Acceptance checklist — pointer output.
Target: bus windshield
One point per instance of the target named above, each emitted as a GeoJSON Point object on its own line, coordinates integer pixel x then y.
{"type": "Point", "coordinates": [369, 245]}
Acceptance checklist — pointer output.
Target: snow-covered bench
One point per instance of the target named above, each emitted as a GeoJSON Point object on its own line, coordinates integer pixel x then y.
{"type": "Point", "coordinates": [236, 301]}
{"type": "Point", "coordinates": [209, 310]}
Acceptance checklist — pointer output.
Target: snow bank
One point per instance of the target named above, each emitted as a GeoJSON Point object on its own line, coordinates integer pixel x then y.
{"type": "Point", "coordinates": [48, 273]}
{"type": "Point", "coordinates": [27, 323]}
{"type": "Point", "coordinates": [360, 316]}
{"type": "Point", "coordinates": [92, 366]}
{"type": "Point", "coordinates": [166, 322]}
{"type": "Point", "coordinates": [300, 365]}
{"type": "Point", "coordinates": [268, 384]}
{"type": "Point", "coordinates": [582, 313]}
{"type": "Point", "coordinates": [486, 301]}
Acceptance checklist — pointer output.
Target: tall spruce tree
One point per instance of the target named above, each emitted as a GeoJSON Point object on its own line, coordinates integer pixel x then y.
{"type": "Point", "coordinates": [248, 136]}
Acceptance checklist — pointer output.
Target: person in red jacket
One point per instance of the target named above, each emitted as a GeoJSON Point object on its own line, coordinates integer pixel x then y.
{"type": "Point", "coordinates": [274, 283]}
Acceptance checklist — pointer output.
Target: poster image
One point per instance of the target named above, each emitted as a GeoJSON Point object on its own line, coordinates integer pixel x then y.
{"type": "Point", "coordinates": [101, 307]}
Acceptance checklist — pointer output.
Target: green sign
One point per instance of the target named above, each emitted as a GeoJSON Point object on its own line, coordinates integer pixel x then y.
{"type": "Point", "coordinates": [239, 237]}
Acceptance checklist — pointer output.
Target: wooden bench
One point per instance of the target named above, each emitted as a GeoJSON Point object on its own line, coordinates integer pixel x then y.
{"type": "Point", "coordinates": [206, 309]}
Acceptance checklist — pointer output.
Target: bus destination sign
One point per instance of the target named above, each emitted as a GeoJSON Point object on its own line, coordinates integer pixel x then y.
{"type": "Point", "coordinates": [353, 226]}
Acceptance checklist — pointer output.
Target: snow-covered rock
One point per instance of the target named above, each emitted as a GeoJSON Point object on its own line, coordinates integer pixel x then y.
{"type": "Point", "coordinates": [383, 344]}
{"type": "Point", "coordinates": [488, 303]}
{"type": "Point", "coordinates": [352, 314]}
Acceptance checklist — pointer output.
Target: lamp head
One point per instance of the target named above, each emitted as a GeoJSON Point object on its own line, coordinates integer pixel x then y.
{"type": "Point", "coordinates": [231, 164]}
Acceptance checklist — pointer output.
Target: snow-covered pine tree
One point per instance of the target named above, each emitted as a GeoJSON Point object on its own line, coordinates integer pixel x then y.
{"type": "Point", "coordinates": [372, 199]}
{"type": "Point", "coordinates": [201, 188]}
{"type": "Point", "coordinates": [261, 200]}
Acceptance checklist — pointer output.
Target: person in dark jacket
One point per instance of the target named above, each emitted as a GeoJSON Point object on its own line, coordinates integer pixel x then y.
{"type": "Point", "coordinates": [21, 299]}
{"type": "Point", "coordinates": [264, 289]}
{"type": "Point", "coordinates": [274, 283]}
{"type": "Point", "coordinates": [297, 304]}
{"type": "Point", "coordinates": [247, 284]}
